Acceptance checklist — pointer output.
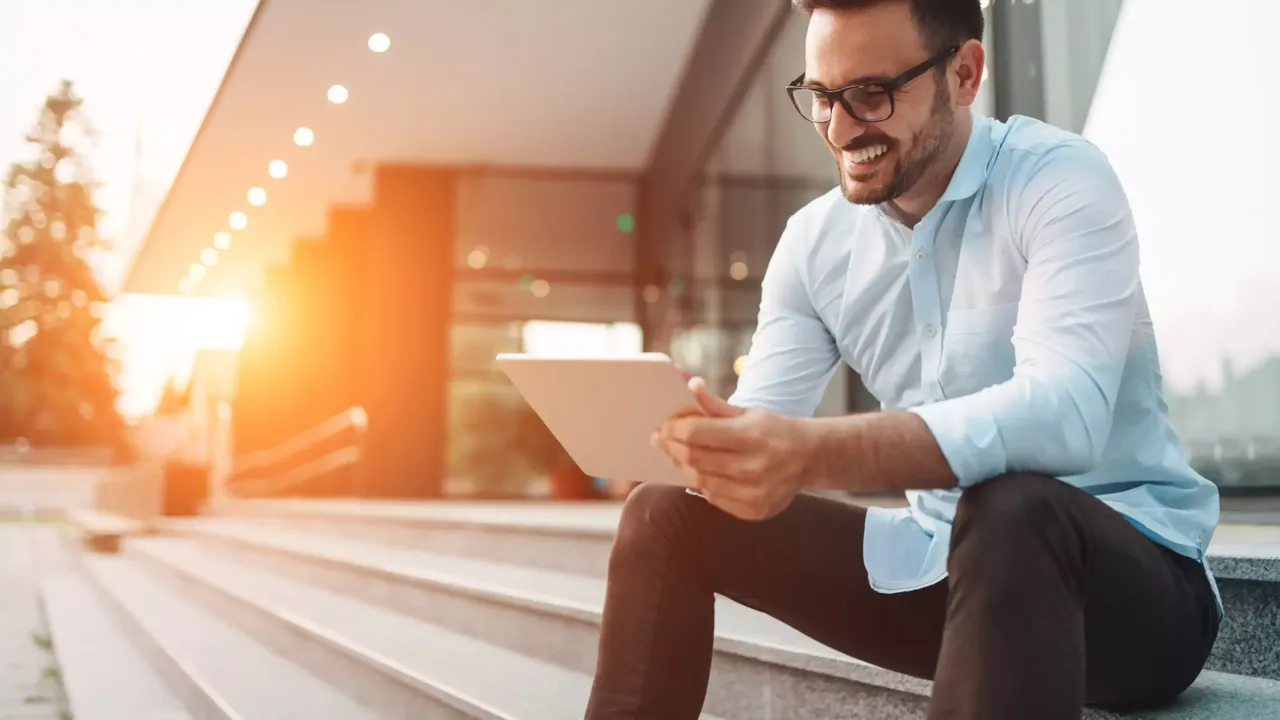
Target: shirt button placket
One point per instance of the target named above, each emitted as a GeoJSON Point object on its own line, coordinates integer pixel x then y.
{"type": "Point", "coordinates": [923, 276]}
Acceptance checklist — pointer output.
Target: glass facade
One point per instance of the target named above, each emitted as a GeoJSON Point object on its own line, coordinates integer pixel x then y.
{"type": "Point", "coordinates": [543, 262]}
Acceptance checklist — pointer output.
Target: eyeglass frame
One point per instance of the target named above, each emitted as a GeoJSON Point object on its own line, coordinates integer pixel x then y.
{"type": "Point", "coordinates": [890, 88]}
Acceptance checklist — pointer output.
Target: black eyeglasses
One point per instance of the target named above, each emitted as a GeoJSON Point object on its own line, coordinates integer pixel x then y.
{"type": "Point", "coordinates": [865, 102]}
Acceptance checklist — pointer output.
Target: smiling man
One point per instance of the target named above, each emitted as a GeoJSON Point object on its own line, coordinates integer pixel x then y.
{"type": "Point", "coordinates": [982, 278]}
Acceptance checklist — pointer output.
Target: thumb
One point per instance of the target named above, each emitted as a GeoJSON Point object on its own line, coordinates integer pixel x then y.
{"type": "Point", "coordinates": [709, 403]}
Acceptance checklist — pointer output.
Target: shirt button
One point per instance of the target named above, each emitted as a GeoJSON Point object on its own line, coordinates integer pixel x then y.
{"type": "Point", "coordinates": [920, 255]}
{"type": "Point", "coordinates": [930, 330]}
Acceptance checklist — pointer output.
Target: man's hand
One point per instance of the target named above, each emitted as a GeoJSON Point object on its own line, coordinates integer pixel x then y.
{"type": "Point", "coordinates": [750, 463]}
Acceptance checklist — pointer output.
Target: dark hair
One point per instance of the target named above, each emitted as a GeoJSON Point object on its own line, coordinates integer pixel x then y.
{"type": "Point", "coordinates": [942, 23]}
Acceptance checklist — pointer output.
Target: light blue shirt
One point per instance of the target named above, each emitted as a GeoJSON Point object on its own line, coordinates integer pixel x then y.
{"type": "Point", "coordinates": [1011, 319]}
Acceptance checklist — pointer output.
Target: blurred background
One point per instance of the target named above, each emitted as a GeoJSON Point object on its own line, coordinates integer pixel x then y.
{"type": "Point", "coordinates": [273, 247]}
{"type": "Point", "coordinates": [257, 257]}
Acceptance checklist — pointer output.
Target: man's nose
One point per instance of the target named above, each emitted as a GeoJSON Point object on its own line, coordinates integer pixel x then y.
{"type": "Point", "coordinates": [843, 128]}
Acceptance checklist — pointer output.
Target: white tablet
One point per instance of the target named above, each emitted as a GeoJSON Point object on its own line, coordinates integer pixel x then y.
{"type": "Point", "coordinates": [604, 410]}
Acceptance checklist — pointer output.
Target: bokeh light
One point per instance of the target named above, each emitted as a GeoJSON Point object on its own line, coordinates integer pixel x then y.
{"type": "Point", "coordinates": [222, 240]}
{"type": "Point", "coordinates": [379, 42]}
{"type": "Point", "coordinates": [337, 94]}
{"type": "Point", "coordinates": [257, 196]}
{"type": "Point", "coordinates": [278, 169]}
{"type": "Point", "coordinates": [238, 220]}
{"type": "Point", "coordinates": [303, 137]}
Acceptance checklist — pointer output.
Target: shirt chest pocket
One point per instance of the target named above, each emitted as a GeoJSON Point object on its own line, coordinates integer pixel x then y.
{"type": "Point", "coordinates": [977, 349]}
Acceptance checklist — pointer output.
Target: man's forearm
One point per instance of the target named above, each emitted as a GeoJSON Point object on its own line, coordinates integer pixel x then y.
{"type": "Point", "coordinates": [875, 452]}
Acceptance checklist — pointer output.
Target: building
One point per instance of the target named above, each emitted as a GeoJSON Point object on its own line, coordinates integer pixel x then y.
{"type": "Point", "coordinates": [438, 175]}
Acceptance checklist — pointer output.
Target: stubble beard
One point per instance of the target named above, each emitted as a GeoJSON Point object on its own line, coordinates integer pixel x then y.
{"type": "Point", "coordinates": [926, 146]}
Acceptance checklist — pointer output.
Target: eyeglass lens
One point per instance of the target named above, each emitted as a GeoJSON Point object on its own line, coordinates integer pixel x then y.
{"type": "Point", "coordinates": [868, 104]}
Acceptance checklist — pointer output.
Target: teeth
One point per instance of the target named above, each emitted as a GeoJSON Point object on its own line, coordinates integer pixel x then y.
{"type": "Point", "coordinates": [868, 154]}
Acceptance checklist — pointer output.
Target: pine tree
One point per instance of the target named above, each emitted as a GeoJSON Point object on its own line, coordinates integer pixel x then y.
{"type": "Point", "coordinates": [56, 376]}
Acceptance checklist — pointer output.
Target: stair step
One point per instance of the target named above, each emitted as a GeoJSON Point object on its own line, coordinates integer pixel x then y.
{"type": "Point", "coordinates": [227, 673]}
{"type": "Point", "coordinates": [577, 537]}
{"type": "Point", "coordinates": [105, 677]}
{"type": "Point", "coordinates": [1238, 551]}
{"type": "Point", "coordinates": [762, 668]}
{"type": "Point", "coordinates": [402, 666]}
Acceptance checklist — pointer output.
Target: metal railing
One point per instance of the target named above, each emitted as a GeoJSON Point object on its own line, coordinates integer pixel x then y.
{"type": "Point", "coordinates": [297, 462]}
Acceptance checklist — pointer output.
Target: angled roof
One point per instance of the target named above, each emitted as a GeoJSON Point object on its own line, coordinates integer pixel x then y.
{"type": "Point", "coordinates": [562, 83]}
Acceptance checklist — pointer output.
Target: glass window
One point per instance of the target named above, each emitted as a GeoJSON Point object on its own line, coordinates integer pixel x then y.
{"type": "Point", "coordinates": [1210, 263]}
{"type": "Point", "coordinates": [768, 164]}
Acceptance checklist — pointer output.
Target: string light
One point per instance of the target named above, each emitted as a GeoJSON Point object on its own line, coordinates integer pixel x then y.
{"type": "Point", "coordinates": [279, 169]}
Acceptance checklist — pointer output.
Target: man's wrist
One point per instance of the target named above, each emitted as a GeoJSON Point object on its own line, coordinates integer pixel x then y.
{"type": "Point", "coordinates": [810, 437]}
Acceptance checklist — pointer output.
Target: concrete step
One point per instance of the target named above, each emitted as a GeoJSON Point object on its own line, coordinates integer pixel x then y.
{"type": "Point", "coordinates": [105, 677]}
{"type": "Point", "coordinates": [571, 537]}
{"type": "Point", "coordinates": [762, 668]}
{"type": "Point", "coordinates": [576, 538]}
{"type": "Point", "coordinates": [219, 671]}
{"type": "Point", "coordinates": [395, 663]}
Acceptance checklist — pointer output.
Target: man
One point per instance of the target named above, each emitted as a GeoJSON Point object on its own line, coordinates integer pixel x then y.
{"type": "Point", "coordinates": [982, 278]}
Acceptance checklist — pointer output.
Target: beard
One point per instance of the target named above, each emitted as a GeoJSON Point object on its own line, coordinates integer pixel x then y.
{"type": "Point", "coordinates": [925, 146]}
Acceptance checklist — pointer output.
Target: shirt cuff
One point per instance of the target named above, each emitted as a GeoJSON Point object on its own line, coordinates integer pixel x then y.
{"type": "Point", "coordinates": [966, 430]}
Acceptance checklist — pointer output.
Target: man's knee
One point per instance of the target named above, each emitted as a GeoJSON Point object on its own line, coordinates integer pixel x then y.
{"type": "Point", "coordinates": [1009, 499]}
{"type": "Point", "coordinates": [650, 510]}
{"type": "Point", "coordinates": [1010, 517]}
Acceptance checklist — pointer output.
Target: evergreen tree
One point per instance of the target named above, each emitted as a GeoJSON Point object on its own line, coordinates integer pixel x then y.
{"type": "Point", "coordinates": [56, 376]}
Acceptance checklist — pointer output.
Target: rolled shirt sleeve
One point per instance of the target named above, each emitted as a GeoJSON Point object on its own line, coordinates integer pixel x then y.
{"type": "Point", "coordinates": [1076, 314]}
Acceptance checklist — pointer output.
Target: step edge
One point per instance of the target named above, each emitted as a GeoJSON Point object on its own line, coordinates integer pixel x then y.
{"type": "Point", "coordinates": [342, 644]}
{"type": "Point", "coordinates": [1236, 564]}
{"type": "Point", "coordinates": [57, 635]}
{"type": "Point", "coordinates": [173, 670]}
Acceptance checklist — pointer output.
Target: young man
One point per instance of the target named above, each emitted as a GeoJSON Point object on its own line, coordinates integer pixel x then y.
{"type": "Point", "coordinates": [982, 278]}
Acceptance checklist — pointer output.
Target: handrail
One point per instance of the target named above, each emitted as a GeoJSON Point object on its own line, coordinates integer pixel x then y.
{"type": "Point", "coordinates": [353, 418]}
{"type": "Point", "coordinates": [299, 475]}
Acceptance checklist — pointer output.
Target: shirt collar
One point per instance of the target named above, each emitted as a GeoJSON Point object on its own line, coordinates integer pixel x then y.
{"type": "Point", "coordinates": [975, 163]}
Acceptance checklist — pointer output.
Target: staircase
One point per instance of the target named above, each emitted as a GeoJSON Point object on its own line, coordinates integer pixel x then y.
{"type": "Point", "coordinates": [276, 609]}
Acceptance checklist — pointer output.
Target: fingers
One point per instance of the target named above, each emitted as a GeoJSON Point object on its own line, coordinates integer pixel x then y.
{"type": "Point", "coordinates": [710, 404]}
{"type": "Point", "coordinates": [707, 460]}
{"type": "Point", "coordinates": [742, 502]}
{"type": "Point", "coordinates": [701, 431]}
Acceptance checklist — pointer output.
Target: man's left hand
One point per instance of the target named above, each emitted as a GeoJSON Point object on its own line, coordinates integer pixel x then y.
{"type": "Point", "coordinates": [748, 462]}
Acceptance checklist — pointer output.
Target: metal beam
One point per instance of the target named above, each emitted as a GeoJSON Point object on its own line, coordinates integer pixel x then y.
{"type": "Point", "coordinates": [1075, 39]}
{"type": "Point", "coordinates": [735, 38]}
{"type": "Point", "coordinates": [1019, 62]}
